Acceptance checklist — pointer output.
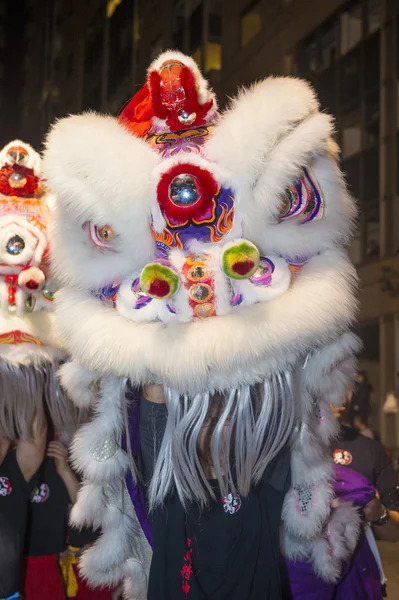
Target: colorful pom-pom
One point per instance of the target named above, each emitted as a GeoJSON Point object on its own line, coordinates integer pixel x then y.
{"type": "Point", "coordinates": [159, 281]}
{"type": "Point", "coordinates": [240, 260]}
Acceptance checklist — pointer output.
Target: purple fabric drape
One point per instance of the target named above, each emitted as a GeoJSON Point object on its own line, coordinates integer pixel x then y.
{"type": "Point", "coordinates": [360, 575]}
{"type": "Point", "coordinates": [136, 492]}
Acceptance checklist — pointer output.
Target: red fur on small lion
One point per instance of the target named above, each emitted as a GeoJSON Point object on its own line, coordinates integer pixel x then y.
{"type": "Point", "coordinates": [30, 187]}
{"type": "Point", "coordinates": [166, 110]}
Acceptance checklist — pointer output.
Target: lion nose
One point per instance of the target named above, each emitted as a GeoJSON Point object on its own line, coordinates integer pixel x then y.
{"type": "Point", "coordinates": [17, 155]}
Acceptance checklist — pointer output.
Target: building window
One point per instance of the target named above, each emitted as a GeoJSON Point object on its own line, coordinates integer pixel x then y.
{"type": "Point", "coordinates": [372, 62]}
{"type": "Point", "coordinates": [373, 9]}
{"type": "Point", "coordinates": [372, 119]}
{"type": "Point", "coordinates": [350, 80]}
{"type": "Point", "coordinates": [213, 59]}
{"type": "Point", "coordinates": [351, 169]}
{"type": "Point", "coordinates": [328, 44]}
{"type": "Point", "coordinates": [351, 28]}
{"type": "Point", "coordinates": [156, 47]}
{"type": "Point", "coordinates": [355, 249]}
{"type": "Point", "coordinates": [369, 333]}
{"type": "Point", "coordinates": [351, 141]}
{"type": "Point", "coordinates": [251, 23]}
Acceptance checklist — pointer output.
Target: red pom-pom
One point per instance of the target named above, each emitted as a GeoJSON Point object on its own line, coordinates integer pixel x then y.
{"type": "Point", "coordinates": [159, 288]}
{"type": "Point", "coordinates": [243, 267]}
{"type": "Point", "coordinates": [29, 189]}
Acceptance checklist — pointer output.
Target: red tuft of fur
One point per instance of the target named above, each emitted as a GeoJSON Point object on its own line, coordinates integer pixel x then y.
{"type": "Point", "coordinates": [189, 104]}
{"type": "Point", "coordinates": [207, 190]}
{"type": "Point", "coordinates": [30, 188]}
{"type": "Point", "coordinates": [137, 114]}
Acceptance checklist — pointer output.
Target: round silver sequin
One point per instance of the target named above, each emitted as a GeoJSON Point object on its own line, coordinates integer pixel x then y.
{"type": "Point", "coordinates": [187, 119]}
{"type": "Point", "coordinates": [15, 245]}
{"type": "Point", "coordinates": [198, 272]}
{"type": "Point", "coordinates": [104, 451]}
{"type": "Point", "coordinates": [200, 292]}
{"type": "Point", "coordinates": [17, 180]}
{"type": "Point", "coordinates": [183, 190]}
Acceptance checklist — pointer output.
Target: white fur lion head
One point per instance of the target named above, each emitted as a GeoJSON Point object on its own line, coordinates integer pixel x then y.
{"type": "Point", "coordinates": [196, 247]}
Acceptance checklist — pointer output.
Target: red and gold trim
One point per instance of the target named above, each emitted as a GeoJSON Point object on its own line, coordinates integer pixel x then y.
{"type": "Point", "coordinates": [19, 337]}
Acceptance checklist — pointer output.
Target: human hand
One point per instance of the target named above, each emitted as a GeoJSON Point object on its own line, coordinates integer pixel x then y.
{"type": "Point", "coordinates": [373, 509]}
{"type": "Point", "coordinates": [58, 451]}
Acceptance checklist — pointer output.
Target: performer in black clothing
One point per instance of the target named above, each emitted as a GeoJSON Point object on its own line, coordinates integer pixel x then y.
{"type": "Point", "coordinates": [229, 549]}
{"type": "Point", "coordinates": [17, 469]}
{"type": "Point", "coordinates": [47, 528]}
{"type": "Point", "coordinates": [368, 457]}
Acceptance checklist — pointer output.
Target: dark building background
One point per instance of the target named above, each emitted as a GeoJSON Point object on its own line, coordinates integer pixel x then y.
{"type": "Point", "coordinates": [75, 56]}
{"type": "Point", "coordinates": [12, 61]}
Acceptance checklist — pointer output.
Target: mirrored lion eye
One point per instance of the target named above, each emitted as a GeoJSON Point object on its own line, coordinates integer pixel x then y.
{"type": "Point", "coordinates": [106, 233]}
{"type": "Point", "coordinates": [303, 200]}
{"type": "Point", "coordinates": [101, 236]}
{"type": "Point", "coordinates": [288, 200]}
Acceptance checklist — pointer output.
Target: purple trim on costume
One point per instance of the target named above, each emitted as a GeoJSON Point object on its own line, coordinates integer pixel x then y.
{"type": "Point", "coordinates": [306, 192]}
{"type": "Point", "coordinates": [236, 299]}
{"type": "Point", "coordinates": [171, 308]}
{"type": "Point", "coordinates": [315, 190]}
{"type": "Point", "coordinates": [136, 493]}
{"type": "Point", "coordinates": [360, 577]}
{"type": "Point", "coordinates": [143, 300]}
{"type": "Point", "coordinates": [181, 235]}
{"type": "Point", "coordinates": [108, 293]}
{"type": "Point", "coordinates": [265, 270]}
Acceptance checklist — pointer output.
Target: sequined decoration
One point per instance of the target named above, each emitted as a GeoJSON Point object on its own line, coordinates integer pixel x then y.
{"type": "Point", "coordinates": [47, 294]}
{"type": "Point", "coordinates": [17, 180]}
{"type": "Point", "coordinates": [104, 451]}
{"type": "Point", "coordinates": [303, 497]}
{"type": "Point", "coordinates": [199, 284]}
{"type": "Point", "coordinates": [303, 200]}
{"type": "Point", "coordinates": [140, 297]}
{"type": "Point", "coordinates": [263, 274]}
{"type": "Point", "coordinates": [15, 245]}
{"type": "Point", "coordinates": [200, 292]}
{"type": "Point", "coordinates": [30, 303]}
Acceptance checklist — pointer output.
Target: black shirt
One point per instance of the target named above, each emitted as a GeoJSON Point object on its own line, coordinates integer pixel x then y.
{"type": "Point", "coordinates": [48, 513]}
{"type": "Point", "coordinates": [228, 550]}
{"type": "Point", "coordinates": [368, 457]}
{"type": "Point", "coordinates": [14, 496]}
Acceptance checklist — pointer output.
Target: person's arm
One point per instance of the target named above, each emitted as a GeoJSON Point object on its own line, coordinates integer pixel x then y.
{"type": "Point", "coordinates": [386, 481]}
{"type": "Point", "coordinates": [30, 453]}
{"type": "Point", "coordinates": [58, 451]}
{"type": "Point", "coordinates": [389, 532]}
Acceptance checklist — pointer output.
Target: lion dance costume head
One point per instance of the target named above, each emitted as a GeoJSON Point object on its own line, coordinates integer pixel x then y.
{"type": "Point", "coordinates": [205, 251]}
{"type": "Point", "coordinates": [29, 355]}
